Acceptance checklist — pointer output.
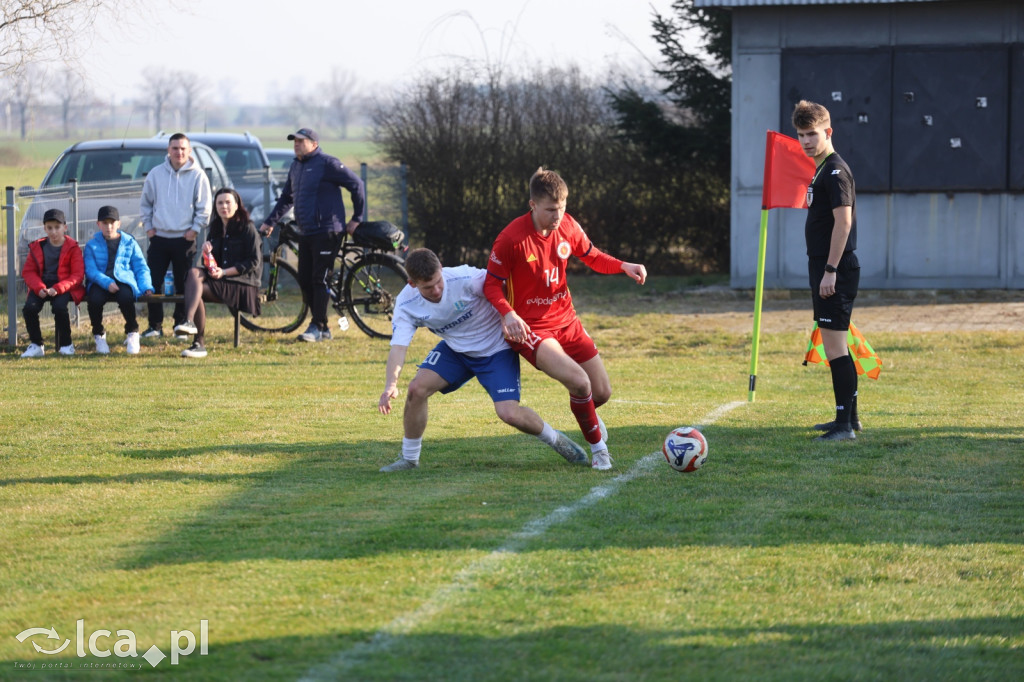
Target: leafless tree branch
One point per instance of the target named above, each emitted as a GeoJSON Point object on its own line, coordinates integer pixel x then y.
{"type": "Point", "coordinates": [47, 30]}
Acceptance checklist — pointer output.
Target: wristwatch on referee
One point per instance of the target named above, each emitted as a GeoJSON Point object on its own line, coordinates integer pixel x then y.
{"type": "Point", "coordinates": [829, 268]}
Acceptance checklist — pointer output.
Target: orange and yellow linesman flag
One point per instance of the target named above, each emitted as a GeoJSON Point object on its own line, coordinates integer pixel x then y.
{"type": "Point", "coordinates": [865, 359]}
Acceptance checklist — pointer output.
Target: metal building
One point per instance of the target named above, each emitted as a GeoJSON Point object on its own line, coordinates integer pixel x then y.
{"type": "Point", "coordinates": [927, 104]}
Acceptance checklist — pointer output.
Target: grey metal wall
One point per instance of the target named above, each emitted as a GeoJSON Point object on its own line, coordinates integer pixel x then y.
{"type": "Point", "coordinates": [954, 239]}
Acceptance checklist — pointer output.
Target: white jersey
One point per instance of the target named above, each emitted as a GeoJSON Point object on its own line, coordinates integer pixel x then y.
{"type": "Point", "coordinates": [464, 318]}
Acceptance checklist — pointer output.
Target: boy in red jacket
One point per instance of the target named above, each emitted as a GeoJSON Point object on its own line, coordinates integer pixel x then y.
{"type": "Point", "coordinates": [54, 271]}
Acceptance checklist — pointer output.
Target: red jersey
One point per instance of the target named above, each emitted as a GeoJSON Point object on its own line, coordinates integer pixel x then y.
{"type": "Point", "coordinates": [532, 268]}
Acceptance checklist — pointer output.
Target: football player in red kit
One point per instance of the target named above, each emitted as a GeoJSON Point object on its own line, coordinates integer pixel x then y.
{"type": "Point", "coordinates": [526, 284]}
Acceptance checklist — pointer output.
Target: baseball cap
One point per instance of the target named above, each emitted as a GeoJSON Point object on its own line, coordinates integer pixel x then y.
{"type": "Point", "coordinates": [54, 214]}
{"type": "Point", "coordinates": [108, 213]}
{"type": "Point", "coordinates": [305, 134]}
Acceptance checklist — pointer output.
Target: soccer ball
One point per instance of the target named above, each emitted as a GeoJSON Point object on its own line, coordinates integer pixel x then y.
{"type": "Point", "coordinates": [685, 449]}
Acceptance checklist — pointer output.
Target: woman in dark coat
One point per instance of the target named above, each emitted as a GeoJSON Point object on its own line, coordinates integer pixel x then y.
{"type": "Point", "coordinates": [231, 270]}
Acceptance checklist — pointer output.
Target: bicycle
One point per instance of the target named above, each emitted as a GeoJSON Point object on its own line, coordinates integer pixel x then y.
{"type": "Point", "coordinates": [363, 285]}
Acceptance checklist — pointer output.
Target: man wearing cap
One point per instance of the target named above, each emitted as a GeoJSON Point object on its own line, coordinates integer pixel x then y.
{"type": "Point", "coordinates": [314, 187]}
{"type": "Point", "coordinates": [115, 270]}
{"type": "Point", "coordinates": [176, 206]}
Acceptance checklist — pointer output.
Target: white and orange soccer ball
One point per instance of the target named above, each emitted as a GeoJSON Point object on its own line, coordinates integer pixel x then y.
{"type": "Point", "coordinates": [685, 449]}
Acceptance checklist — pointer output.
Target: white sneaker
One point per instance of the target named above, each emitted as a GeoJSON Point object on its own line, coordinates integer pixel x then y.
{"type": "Point", "coordinates": [67, 350]}
{"type": "Point", "coordinates": [131, 343]}
{"type": "Point", "coordinates": [569, 449]}
{"type": "Point", "coordinates": [34, 350]}
{"type": "Point", "coordinates": [311, 335]}
{"type": "Point", "coordinates": [401, 465]}
{"type": "Point", "coordinates": [604, 429]}
{"type": "Point", "coordinates": [602, 461]}
{"type": "Point", "coordinates": [101, 343]}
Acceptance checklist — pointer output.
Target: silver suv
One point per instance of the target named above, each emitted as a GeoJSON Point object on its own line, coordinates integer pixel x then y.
{"type": "Point", "coordinates": [107, 172]}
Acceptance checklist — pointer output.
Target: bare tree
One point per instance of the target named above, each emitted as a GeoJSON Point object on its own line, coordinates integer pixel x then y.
{"type": "Point", "coordinates": [341, 93]}
{"type": "Point", "coordinates": [45, 30]}
{"type": "Point", "coordinates": [26, 85]}
{"type": "Point", "coordinates": [193, 88]}
{"type": "Point", "coordinates": [158, 88]}
{"type": "Point", "coordinates": [307, 110]}
{"type": "Point", "coordinates": [70, 88]}
{"type": "Point", "coordinates": [226, 88]}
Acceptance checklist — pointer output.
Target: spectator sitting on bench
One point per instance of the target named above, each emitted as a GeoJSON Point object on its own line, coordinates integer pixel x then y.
{"type": "Point", "coordinates": [231, 271]}
{"type": "Point", "coordinates": [116, 270]}
{"type": "Point", "coordinates": [53, 272]}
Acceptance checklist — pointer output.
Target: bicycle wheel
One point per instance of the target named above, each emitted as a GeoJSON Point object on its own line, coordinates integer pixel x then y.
{"type": "Point", "coordinates": [371, 287]}
{"type": "Point", "coordinates": [281, 303]}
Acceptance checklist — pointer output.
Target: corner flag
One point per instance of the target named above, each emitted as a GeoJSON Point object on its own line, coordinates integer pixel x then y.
{"type": "Point", "coordinates": [787, 172]}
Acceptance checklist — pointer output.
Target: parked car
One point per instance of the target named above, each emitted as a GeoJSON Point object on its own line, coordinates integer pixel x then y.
{"type": "Point", "coordinates": [107, 172]}
{"type": "Point", "coordinates": [280, 161]}
{"type": "Point", "coordinates": [246, 163]}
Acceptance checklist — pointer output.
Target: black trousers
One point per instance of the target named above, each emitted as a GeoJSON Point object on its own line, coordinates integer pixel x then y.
{"type": "Point", "coordinates": [178, 253]}
{"type": "Point", "coordinates": [61, 317]}
{"type": "Point", "coordinates": [316, 258]}
{"type": "Point", "coordinates": [97, 296]}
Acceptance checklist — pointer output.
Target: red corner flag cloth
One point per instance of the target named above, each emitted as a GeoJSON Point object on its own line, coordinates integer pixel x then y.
{"type": "Point", "coordinates": [787, 172]}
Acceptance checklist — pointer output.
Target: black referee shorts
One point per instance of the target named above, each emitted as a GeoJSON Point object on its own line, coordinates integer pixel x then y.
{"type": "Point", "coordinates": [834, 312]}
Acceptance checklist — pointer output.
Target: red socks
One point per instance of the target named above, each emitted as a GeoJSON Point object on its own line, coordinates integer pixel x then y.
{"type": "Point", "coordinates": [586, 415]}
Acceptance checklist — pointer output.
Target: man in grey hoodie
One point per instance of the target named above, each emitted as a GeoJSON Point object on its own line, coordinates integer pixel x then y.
{"type": "Point", "coordinates": [175, 207]}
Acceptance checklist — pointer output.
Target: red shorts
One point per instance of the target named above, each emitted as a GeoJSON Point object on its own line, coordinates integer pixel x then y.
{"type": "Point", "coordinates": [574, 339]}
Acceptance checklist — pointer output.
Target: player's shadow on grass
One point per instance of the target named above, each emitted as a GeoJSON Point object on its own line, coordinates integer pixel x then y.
{"type": "Point", "coordinates": [903, 650]}
{"type": "Point", "coordinates": [328, 501]}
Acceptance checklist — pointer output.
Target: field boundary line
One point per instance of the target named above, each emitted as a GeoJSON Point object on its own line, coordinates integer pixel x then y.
{"type": "Point", "coordinates": [465, 579]}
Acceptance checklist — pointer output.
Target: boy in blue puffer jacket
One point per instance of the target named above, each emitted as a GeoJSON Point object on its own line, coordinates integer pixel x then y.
{"type": "Point", "coordinates": [115, 270]}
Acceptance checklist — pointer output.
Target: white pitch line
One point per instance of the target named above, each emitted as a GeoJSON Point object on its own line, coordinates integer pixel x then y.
{"type": "Point", "coordinates": [467, 578]}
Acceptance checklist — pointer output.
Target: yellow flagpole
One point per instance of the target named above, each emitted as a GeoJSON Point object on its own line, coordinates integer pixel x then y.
{"type": "Point", "coordinates": [758, 294]}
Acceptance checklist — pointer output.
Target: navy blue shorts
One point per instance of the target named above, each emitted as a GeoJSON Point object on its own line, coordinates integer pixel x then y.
{"type": "Point", "coordinates": [498, 373]}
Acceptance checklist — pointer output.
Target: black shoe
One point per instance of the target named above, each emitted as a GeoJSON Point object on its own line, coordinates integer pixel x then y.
{"type": "Point", "coordinates": [840, 433]}
{"type": "Point", "coordinates": [153, 333]}
{"type": "Point", "coordinates": [828, 426]}
{"type": "Point", "coordinates": [196, 350]}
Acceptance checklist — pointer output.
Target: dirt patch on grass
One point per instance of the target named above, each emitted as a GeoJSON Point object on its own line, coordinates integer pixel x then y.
{"type": "Point", "coordinates": [790, 310]}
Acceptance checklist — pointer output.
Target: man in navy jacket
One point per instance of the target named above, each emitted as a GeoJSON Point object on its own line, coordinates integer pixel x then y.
{"type": "Point", "coordinates": [314, 187]}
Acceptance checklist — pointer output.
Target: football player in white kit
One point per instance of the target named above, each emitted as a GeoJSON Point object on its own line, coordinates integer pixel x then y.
{"type": "Point", "coordinates": [450, 302]}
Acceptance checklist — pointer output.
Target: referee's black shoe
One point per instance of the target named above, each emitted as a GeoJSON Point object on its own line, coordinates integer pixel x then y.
{"type": "Point", "coordinates": [828, 426]}
{"type": "Point", "coordinates": [841, 432]}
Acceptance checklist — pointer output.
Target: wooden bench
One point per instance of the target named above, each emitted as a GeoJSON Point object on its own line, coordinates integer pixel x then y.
{"type": "Point", "coordinates": [180, 298]}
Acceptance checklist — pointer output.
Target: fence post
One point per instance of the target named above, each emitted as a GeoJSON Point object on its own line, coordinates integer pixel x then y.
{"type": "Point", "coordinates": [366, 192]}
{"type": "Point", "coordinates": [74, 217]}
{"type": "Point", "coordinates": [403, 172]}
{"type": "Point", "coordinates": [12, 268]}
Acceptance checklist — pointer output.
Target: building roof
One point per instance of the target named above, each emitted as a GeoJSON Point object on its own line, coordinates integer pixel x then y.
{"type": "Point", "coordinates": [774, 3]}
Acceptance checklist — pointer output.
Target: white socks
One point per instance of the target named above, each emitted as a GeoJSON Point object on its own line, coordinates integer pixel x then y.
{"type": "Point", "coordinates": [548, 435]}
{"type": "Point", "coordinates": [411, 449]}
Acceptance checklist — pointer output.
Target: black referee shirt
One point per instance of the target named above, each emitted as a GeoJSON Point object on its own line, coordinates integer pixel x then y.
{"type": "Point", "coordinates": [831, 187]}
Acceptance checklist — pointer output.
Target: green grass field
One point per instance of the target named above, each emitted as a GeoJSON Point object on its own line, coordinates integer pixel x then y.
{"type": "Point", "coordinates": [152, 493]}
{"type": "Point", "coordinates": [24, 163]}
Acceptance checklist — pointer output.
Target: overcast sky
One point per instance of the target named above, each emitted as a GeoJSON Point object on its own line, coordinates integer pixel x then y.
{"type": "Point", "coordinates": [265, 49]}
